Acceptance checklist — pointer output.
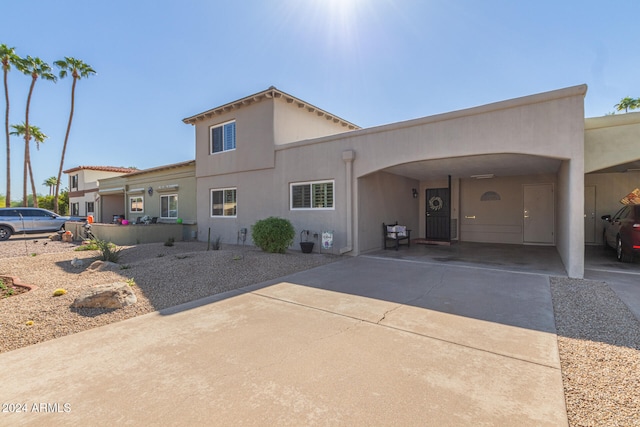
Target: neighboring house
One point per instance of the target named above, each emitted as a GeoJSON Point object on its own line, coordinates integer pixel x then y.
{"type": "Point", "coordinates": [83, 186]}
{"type": "Point", "coordinates": [166, 193]}
{"type": "Point", "coordinates": [612, 168]}
{"type": "Point", "coordinates": [508, 172]}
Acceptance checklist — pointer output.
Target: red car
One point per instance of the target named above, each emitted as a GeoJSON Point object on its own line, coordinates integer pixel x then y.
{"type": "Point", "coordinates": [622, 232]}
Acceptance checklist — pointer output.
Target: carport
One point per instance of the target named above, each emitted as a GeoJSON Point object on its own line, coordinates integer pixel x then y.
{"type": "Point", "coordinates": [514, 171]}
{"type": "Point", "coordinates": [612, 168]}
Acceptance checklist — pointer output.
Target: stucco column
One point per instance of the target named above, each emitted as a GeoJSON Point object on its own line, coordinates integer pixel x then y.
{"type": "Point", "coordinates": [348, 157]}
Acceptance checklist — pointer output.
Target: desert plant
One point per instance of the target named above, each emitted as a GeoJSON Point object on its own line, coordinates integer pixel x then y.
{"type": "Point", "coordinates": [91, 246]}
{"type": "Point", "coordinates": [5, 291]}
{"type": "Point", "coordinates": [108, 251]}
{"type": "Point", "coordinates": [216, 244]}
{"type": "Point", "coordinates": [273, 234]}
{"type": "Point", "coordinates": [169, 241]}
{"type": "Point", "coordinates": [131, 282]}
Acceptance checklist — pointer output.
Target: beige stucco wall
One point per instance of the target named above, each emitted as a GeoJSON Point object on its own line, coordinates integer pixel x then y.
{"type": "Point", "coordinates": [611, 140]}
{"type": "Point", "coordinates": [294, 122]}
{"type": "Point", "coordinates": [388, 199]}
{"type": "Point", "coordinates": [264, 193]}
{"type": "Point", "coordinates": [254, 141]}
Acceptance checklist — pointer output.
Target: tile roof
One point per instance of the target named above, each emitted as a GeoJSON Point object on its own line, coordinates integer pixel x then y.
{"type": "Point", "coordinates": [118, 169]}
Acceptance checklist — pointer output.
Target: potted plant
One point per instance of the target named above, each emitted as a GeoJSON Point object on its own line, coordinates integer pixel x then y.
{"type": "Point", "coordinates": [305, 245]}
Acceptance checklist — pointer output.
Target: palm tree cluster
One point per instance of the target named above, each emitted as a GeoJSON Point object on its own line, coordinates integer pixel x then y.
{"type": "Point", "coordinates": [627, 103]}
{"type": "Point", "coordinates": [36, 68]}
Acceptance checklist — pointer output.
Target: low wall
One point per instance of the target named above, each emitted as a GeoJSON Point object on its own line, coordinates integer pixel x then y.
{"type": "Point", "coordinates": [127, 235]}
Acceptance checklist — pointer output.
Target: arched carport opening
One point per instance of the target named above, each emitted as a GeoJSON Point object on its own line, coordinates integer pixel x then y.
{"type": "Point", "coordinates": [495, 198]}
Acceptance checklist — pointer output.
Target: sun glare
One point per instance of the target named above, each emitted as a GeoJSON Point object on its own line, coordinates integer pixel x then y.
{"type": "Point", "coordinates": [340, 21]}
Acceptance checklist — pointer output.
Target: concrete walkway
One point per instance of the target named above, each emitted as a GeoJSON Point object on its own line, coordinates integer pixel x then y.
{"type": "Point", "coordinates": [363, 341]}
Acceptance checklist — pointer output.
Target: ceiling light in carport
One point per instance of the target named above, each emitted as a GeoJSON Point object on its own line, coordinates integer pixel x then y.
{"type": "Point", "coordinates": [485, 176]}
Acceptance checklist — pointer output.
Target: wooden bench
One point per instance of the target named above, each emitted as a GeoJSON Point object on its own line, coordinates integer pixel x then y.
{"type": "Point", "coordinates": [395, 233]}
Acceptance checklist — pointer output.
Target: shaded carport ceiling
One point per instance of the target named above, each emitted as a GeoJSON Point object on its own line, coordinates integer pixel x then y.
{"type": "Point", "coordinates": [633, 166]}
{"type": "Point", "coordinates": [465, 167]}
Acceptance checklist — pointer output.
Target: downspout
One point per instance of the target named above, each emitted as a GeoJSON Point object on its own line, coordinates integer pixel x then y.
{"type": "Point", "coordinates": [348, 157]}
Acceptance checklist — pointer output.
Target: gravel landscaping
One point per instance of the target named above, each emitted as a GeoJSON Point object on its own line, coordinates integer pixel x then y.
{"type": "Point", "coordinates": [599, 346]}
{"type": "Point", "coordinates": [164, 276]}
{"type": "Point", "coordinates": [598, 336]}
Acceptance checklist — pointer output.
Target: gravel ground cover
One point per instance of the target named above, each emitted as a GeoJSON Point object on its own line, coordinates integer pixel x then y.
{"type": "Point", "coordinates": [599, 346]}
{"type": "Point", "coordinates": [164, 276]}
{"type": "Point", "coordinates": [598, 336]}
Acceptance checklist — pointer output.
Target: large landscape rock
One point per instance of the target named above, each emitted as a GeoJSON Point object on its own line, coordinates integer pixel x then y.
{"type": "Point", "coordinates": [103, 266]}
{"type": "Point", "coordinates": [112, 295]}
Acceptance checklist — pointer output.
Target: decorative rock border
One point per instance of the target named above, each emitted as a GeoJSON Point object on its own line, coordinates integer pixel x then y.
{"type": "Point", "coordinates": [15, 281]}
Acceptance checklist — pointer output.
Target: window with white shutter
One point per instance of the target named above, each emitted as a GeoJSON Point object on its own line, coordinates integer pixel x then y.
{"type": "Point", "coordinates": [312, 195]}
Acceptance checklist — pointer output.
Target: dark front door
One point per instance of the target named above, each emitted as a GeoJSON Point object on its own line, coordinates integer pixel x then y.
{"type": "Point", "coordinates": [438, 214]}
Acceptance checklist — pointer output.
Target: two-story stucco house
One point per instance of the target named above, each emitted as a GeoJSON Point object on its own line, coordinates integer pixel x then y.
{"type": "Point", "coordinates": [83, 186]}
{"type": "Point", "coordinates": [508, 172]}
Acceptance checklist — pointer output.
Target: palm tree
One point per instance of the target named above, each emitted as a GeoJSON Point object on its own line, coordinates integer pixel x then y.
{"type": "Point", "coordinates": [39, 137]}
{"type": "Point", "coordinates": [78, 70]}
{"type": "Point", "coordinates": [8, 57]}
{"type": "Point", "coordinates": [35, 67]}
{"type": "Point", "coordinates": [627, 104]}
{"type": "Point", "coordinates": [51, 182]}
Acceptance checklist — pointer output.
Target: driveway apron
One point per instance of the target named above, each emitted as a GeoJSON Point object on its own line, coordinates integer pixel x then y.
{"type": "Point", "coordinates": [362, 341]}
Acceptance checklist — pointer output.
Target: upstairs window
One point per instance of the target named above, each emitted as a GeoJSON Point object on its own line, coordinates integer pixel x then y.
{"type": "Point", "coordinates": [312, 195]}
{"type": "Point", "coordinates": [223, 137]}
{"type": "Point", "coordinates": [74, 182]}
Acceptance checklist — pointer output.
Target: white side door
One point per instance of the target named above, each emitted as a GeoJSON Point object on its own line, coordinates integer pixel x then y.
{"type": "Point", "coordinates": [590, 214]}
{"type": "Point", "coordinates": [539, 214]}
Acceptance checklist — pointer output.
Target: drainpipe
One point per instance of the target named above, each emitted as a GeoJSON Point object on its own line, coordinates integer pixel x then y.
{"type": "Point", "coordinates": [348, 157]}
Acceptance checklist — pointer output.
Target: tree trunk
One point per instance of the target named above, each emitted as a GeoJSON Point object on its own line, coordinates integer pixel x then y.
{"type": "Point", "coordinates": [27, 137]}
{"type": "Point", "coordinates": [64, 146]}
{"type": "Point", "coordinates": [33, 186]}
{"type": "Point", "coordinates": [6, 126]}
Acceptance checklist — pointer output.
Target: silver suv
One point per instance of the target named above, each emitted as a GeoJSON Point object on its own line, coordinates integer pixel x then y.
{"type": "Point", "coordinates": [29, 220]}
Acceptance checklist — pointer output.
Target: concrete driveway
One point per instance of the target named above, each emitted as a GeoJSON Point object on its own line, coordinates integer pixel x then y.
{"type": "Point", "coordinates": [363, 341]}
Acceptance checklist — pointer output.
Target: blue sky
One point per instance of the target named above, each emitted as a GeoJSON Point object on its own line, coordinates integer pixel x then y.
{"type": "Point", "coordinates": [371, 62]}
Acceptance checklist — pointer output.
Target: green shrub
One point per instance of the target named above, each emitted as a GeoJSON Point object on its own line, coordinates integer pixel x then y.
{"type": "Point", "coordinates": [109, 251]}
{"type": "Point", "coordinates": [273, 234]}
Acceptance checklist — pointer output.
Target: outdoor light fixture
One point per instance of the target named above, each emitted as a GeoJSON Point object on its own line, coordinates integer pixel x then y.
{"type": "Point", "coordinates": [485, 176]}
{"type": "Point", "coordinates": [414, 191]}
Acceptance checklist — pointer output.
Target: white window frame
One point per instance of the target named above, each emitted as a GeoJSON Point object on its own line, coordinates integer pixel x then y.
{"type": "Point", "coordinates": [224, 141]}
{"type": "Point", "coordinates": [86, 208]}
{"type": "Point", "coordinates": [224, 193]}
{"type": "Point", "coordinates": [168, 205]}
{"type": "Point", "coordinates": [131, 198]}
{"type": "Point", "coordinates": [311, 184]}
{"type": "Point", "coordinates": [74, 181]}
